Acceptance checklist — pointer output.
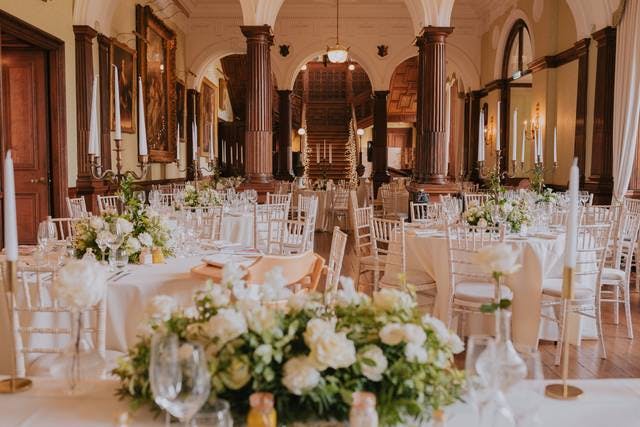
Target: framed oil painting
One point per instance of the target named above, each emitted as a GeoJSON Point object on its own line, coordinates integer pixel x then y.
{"type": "Point", "coordinates": [123, 57]}
{"type": "Point", "coordinates": [208, 116]}
{"type": "Point", "coordinates": [157, 65]}
{"type": "Point", "coordinates": [181, 98]}
{"type": "Point", "coordinates": [222, 90]}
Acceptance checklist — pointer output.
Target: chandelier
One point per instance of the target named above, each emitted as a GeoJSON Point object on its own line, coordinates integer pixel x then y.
{"type": "Point", "coordinates": [337, 54]}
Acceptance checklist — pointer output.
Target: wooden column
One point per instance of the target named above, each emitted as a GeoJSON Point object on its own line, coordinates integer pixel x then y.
{"type": "Point", "coordinates": [474, 130]}
{"type": "Point", "coordinates": [192, 113]}
{"type": "Point", "coordinates": [601, 181]}
{"type": "Point", "coordinates": [104, 70]}
{"type": "Point", "coordinates": [380, 154]}
{"type": "Point", "coordinates": [430, 122]}
{"type": "Point", "coordinates": [580, 143]}
{"type": "Point", "coordinates": [284, 135]}
{"type": "Point", "coordinates": [258, 133]}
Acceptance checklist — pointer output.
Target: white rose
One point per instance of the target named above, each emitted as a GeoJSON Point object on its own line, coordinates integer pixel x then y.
{"type": "Point", "coordinates": [501, 258]}
{"type": "Point", "coordinates": [304, 300]}
{"type": "Point", "coordinates": [332, 350]}
{"type": "Point", "coordinates": [300, 376]}
{"type": "Point", "coordinates": [456, 344]}
{"type": "Point", "coordinates": [415, 353]}
{"type": "Point", "coordinates": [161, 307]}
{"type": "Point", "coordinates": [392, 299]}
{"type": "Point", "coordinates": [482, 222]}
{"type": "Point", "coordinates": [445, 336]}
{"type": "Point", "coordinates": [145, 239]}
{"type": "Point", "coordinates": [232, 274]}
{"type": "Point", "coordinates": [259, 318]}
{"type": "Point", "coordinates": [123, 226]}
{"type": "Point", "coordinates": [242, 291]}
{"type": "Point", "coordinates": [348, 296]}
{"type": "Point", "coordinates": [414, 334]}
{"type": "Point", "coordinates": [80, 284]}
{"type": "Point", "coordinates": [133, 245]}
{"type": "Point", "coordinates": [220, 296]}
{"type": "Point", "coordinates": [96, 222]}
{"type": "Point", "coordinates": [228, 324]}
{"type": "Point", "coordinates": [317, 327]}
{"type": "Point", "coordinates": [392, 333]}
{"type": "Point", "coordinates": [375, 364]}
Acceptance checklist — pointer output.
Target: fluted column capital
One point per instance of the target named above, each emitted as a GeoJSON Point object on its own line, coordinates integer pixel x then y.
{"type": "Point", "coordinates": [431, 34]}
{"type": "Point", "coordinates": [257, 33]}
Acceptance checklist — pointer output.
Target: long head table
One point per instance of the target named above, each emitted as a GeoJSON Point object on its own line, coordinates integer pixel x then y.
{"type": "Point", "coordinates": [604, 403]}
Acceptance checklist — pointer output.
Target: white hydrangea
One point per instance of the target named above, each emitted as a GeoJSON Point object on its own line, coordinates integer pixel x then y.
{"type": "Point", "coordinates": [373, 354]}
{"type": "Point", "coordinates": [220, 296]}
{"type": "Point", "coordinates": [300, 376]}
{"type": "Point", "coordinates": [275, 287]}
{"type": "Point", "coordinates": [123, 226]}
{"type": "Point", "coordinates": [96, 222]}
{"type": "Point", "coordinates": [243, 291]}
{"type": "Point", "coordinates": [160, 308]}
{"type": "Point", "coordinates": [133, 245]}
{"type": "Point", "coordinates": [259, 318]}
{"type": "Point", "coordinates": [348, 295]}
{"type": "Point", "coordinates": [415, 353]}
{"type": "Point", "coordinates": [145, 239]}
{"type": "Point", "coordinates": [389, 299]}
{"type": "Point", "coordinates": [228, 324]}
{"type": "Point", "coordinates": [232, 275]}
{"type": "Point", "coordinates": [446, 336]}
{"type": "Point", "coordinates": [304, 300]}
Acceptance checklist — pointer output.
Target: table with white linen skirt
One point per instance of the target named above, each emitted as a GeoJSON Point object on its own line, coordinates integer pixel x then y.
{"type": "Point", "coordinates": [604, 402]}
{"type": "Point", "coordinates": [325, 200]}
{"type": "Point", "coordinates": [540, 258]}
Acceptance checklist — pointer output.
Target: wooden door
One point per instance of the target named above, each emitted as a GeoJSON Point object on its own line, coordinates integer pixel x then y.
{"type": "Point", "coordinates": [25, 118]}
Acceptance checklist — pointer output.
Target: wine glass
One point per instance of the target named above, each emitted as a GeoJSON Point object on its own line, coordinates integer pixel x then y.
{"type": "Point", "coordinates": [140, 196]}
{"type": "Point", "coordinates": [216, 414]}
{"type": "Point", "coordinates": [489, 402]}
{"type": "Point", "coordinates": [47, 233]}
{"type": "Point", "coordinates": [526, 396]}
{"type": "Point", "coordinates": [179, 376]}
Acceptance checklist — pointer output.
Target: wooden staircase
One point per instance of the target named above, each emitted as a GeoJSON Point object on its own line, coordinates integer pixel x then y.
{"type": "Point", "coordinates": [328, 121]}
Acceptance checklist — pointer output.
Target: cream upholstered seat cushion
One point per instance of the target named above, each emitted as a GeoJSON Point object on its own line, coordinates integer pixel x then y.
{"type": "Point", "coordinates": [41, 365]}
{"type": "Point", "coordinates": [480, 292]}
{"type": "Point", "coordinates": [613, 274]}
{"type": "Point", "coordinates": [553, 288]}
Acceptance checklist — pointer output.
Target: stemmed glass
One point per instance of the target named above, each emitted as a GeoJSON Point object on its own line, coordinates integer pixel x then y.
{"type": "Point", "coordinates": [46, 234]}
{"type": "Point", "coordinates": [179, 377]}
{"type": "Point", "coordinates": [489, 402]}
{"type": "Point", "coordinates": [114, 241]}
{"type": "Point", "coordinates": [526, 396]}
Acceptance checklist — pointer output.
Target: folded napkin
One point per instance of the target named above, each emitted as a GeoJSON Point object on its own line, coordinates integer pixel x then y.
{"type": "Point", "coordinates": [219, 260]}
{"type": "Point", "coordinates": [545, 235]}
{"type": "Point", "coordinates": [221, 244]}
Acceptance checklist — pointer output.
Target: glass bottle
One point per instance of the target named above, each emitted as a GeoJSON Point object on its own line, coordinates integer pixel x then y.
{"type": "Point", "coordinates": [262, 413]}
{"type": "Point", "coordinates": [509, 366]}
{"type": "Point", "coordinates": [363, 410]}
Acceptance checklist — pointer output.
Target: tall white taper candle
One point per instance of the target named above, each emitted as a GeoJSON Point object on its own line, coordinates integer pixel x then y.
{"type": "Point", "coordinates": [142, 132]}
{"type": "Point", "coordinates": [10, 218]}
{"type": "Point", "coordinates": [117, 132]}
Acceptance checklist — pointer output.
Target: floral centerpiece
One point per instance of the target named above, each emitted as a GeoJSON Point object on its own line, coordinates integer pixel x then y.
{"type": "Point", "coordinates": [312, 358]}
{"type": "Point", "coordinates": [229, 182]}
{"type": "Point", "coordinates": [514, 213]}
{"type": "Point", "coordinates": [320, 185]}
{"type": "Point", "coordinates": [200, 197]}
{"type": "Point", "coordinates": [138, 227]}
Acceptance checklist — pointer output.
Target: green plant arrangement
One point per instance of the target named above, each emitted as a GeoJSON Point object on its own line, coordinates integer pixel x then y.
{"type": "Point", "coordinates": [312, 357]}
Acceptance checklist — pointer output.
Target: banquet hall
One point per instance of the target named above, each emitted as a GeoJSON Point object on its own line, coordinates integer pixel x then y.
{"type": "Point", "coordinates": [319, 212]}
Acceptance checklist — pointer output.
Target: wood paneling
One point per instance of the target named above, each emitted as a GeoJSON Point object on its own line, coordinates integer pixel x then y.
{"type": "Point", "coordinates": [193, 115]}
{"type": "Point", "coordinates": [403, 92]}
{"type": "Point", "coordinates": [235, 67]}
{"type": "Point", "coordinates": [380, 152]}
{"type": "Point", "coordinates": [580, 144]}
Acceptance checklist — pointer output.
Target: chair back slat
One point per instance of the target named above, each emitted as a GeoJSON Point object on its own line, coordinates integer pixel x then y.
{"type": "Point", "coordinates": [334, 265]}
{"type": "Point", "coordinates": [77, 207]}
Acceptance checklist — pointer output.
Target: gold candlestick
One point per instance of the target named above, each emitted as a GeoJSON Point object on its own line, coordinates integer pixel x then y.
{"type": "Point", "coordinates": [564, 391]}
{"type": "Point", "coordinates": [13, 384]}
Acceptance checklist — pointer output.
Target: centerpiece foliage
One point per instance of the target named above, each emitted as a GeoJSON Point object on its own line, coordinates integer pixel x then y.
{"type": "Point", "coordinates": [312, 357]}
{"type": "Point", "coordinates": [138, 227]}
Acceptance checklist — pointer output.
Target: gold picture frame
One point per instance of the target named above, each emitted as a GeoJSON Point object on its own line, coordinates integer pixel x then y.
{"type": "Point", "coordinates": [124, 57]}
{"type": "Point", "coordinates": [208, 114]}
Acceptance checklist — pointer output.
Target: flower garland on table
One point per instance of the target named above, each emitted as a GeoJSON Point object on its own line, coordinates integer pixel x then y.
{"type": "Point", "coordinates": [311, 358]}
{"type": "Point", "coordinates": [139, 227]}
{"type": "Point", "coordinates": [194, 197]}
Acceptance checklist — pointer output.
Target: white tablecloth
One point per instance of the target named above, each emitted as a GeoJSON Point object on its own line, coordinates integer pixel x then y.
{"type": "Point", "coordinates": [604, 403]}
{"type": "Point", "coordinates": [540, 258]}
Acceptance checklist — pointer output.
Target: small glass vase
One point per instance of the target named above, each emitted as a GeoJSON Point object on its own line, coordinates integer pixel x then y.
{"type": "Point", "coordinates": [80, 362]}
{"type": "Point", "coordinates": [509, 366]}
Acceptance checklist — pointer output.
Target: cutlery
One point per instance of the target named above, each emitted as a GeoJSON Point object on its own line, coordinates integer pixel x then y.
{"type": "Point", "coordinates": [124, 274]}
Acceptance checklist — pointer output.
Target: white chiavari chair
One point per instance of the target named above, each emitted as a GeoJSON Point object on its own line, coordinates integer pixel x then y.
{"type": "Point", "coordinates": [166, 199]}
{"type": "Point", "coordinates": [592, 241]}
{"type": "Point", "coordinates": [287, 236]}
{"type": "Point", "coordinates": [108, 204]}
{"type": "Point", "coordinates": [470, 286]}
{"type": "Point", "coordinates": [77, 207]}
{"type": "Point", "coordinates": [41, 330]}
{"type": "Point", "coordinates": [367, 262]}
{"type": "Point", "coordinates": [164, 188]}
{"type": "Point", "coordinates": [209, 222]}
{"type": "Point", "coordinates": [65, 227]}
{"type": "Point", "coordinates": [339, 205]}
{"type": "Point", "coordinates": [633, 206]}
{"type": "Point", "coordinates": [334, 265]}
{"type": "Point", "coordinates": [616, 274]}
{"type": "Point", "coordinates": [278, 198]}
{"type": "Point", "coordinates": [308, 210]}
{"type": "Point", "coordinates": [263, 216]}
{"type": "Point", "coordinates": [389, 198]}
{"type": "Point", "coordinates": [178, 186]}
{"type": "Point", "coordinates": [586, 198]}
{"type": "Point", "coordinates": [425, 212]}
{"type": "Point", "coordinates": [475, 199]}
{"type": "Point", "coordinates": [388, 244]}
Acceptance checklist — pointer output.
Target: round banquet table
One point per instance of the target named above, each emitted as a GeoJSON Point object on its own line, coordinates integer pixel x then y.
{"type": "Point", "coordinates": [541, 257]}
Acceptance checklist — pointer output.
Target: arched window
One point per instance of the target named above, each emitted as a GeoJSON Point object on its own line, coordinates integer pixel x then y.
{"type": "Point", "coordinates": [517, 54]}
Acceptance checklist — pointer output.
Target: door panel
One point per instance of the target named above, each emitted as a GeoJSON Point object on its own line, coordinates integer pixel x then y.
{"type": "Point", "coordinates": [25, 124]}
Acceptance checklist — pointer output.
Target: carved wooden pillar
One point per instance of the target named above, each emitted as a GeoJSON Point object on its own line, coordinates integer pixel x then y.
{"type": "Point", "coordinates": [380, 154]}
{"type": "Point", "coordinates": [258, 133]}
{"type": "Point", "coordinates": [580, 144]}
{"type": "Point", "coordinates": [192, 116]}
{"type": "Point", "coordinates": [104, 67]}
{"type": "Point", "coordinates": [430, 122]}
{"type": "Point", "coordinates": [601, 180]}
{"type": "Point", "coordinates": [284, 135]}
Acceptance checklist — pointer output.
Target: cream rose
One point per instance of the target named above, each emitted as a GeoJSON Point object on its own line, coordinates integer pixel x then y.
{"type": "Point", "coordinates": [482, 223]}
{"type": "Point", "coordinates": [373, 363]}
{"type": "Point", "coordinates": [333, 350]}
{"type": "Point", "coordinates": [501, 259]}
{"type": "Point", "coordinates": [80, 284]}
{"type": "Point", "coordinates": [300, 376]}
{"type": "Point", "coordinates": [123, 226]}
{"type": "Point", "coordinates": [228, 324]}
{"type": "Point", "coordinates": [415, 353]}
{"type": "Point", "coordinates": [392, 334]}
{"type": "Point", "coordinates": [414, 334]}
{"type": "Point", "coordinates": [446, 336]}
{"type": "Point", "coordinates": [392, 299]}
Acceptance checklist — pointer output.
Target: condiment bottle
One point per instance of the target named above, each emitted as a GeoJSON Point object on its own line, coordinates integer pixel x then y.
{"type": "Point", "coordinates": [262, 413]}
{"type": "Point", "coordinates": [363, 410]}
